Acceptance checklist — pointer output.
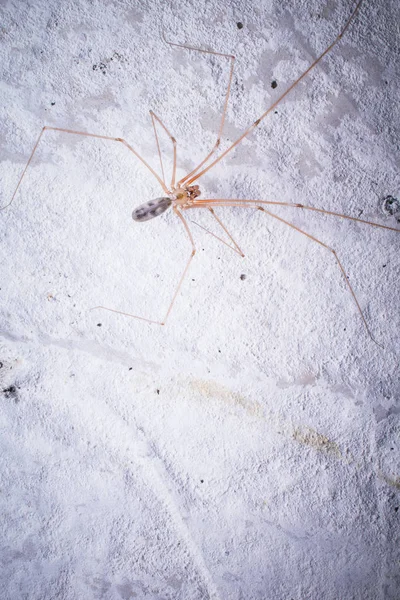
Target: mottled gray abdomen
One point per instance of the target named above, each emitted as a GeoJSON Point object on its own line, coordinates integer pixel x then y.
{"type": "Point", "coordinates": [151, 209]}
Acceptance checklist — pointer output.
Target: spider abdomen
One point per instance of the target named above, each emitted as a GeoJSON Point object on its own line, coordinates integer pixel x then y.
{"type": "Point", "coordinates": [151, 209]}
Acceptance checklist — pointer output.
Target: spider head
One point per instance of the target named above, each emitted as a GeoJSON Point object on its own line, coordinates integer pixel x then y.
{"type": "Point", "coordinates": [151, 209]}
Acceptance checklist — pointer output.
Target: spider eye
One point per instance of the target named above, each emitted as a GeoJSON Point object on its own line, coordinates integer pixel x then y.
{"type": "Point", "coordinates": [151, 209]}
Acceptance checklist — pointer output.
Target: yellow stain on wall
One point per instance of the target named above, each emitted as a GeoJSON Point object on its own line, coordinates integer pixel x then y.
{"type": "Point", "coordinates": [309, 437]}
{"type": "Point", "coordinates": [302, 434]}
{"type": "Point", "coordinates": [216, 391]}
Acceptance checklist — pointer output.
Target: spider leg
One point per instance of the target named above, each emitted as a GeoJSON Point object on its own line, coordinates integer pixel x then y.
{"type": "Point", "coordinates": [24, 171]}
{"type": "Point", "coordinates": [235, 246]}
{"type": "Point", "coordinates": [260, 204]}
{"type": "Point", "coordinates": [314, 239]}
{"type": "Point", "coordinates": [278, 101]}
{"type": "Point", "coordinates": [249, 203]}
{"type": "Point", "coordinates": [154, 118]}
{"type": "Point", "coordinates": [193, 252]}
{"type": "Point", "coordinates": [221, 127]}
{"type": "Point", "coordinates": [82, 133]}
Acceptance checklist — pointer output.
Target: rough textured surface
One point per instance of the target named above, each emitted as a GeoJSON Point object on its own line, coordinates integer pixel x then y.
{"type": "Point", "coordinates": [249, 449]}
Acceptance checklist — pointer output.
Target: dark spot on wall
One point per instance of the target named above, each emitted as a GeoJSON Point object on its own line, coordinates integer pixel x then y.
{"type": "Point", "coordinates": [274, 84]}
{"type": "Point", "coordinates": [100, 67]}
{"type": "Point", "coordinates": [391, 207]}
{"type": "Point", "coordinates": [243, 277]}
{"type": "Point", "coordinates": [239, 25]}
{"type": "Point", "coordinates": [12, 393]}
{"type": "Point", "coordinates": [105, 63]}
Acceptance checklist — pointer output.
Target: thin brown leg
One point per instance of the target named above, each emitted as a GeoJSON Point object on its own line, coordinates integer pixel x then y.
{"type": "Point", "coordinates": [275, 104]}
{"type": "Point", "coordinates": [83, 133]}
{"type": "Point", "coordinates": [311, 237]}
{"type": "Point", "coordinates": [24, 171]}
{"type": "Point", "coordinates": [221, 127]}
{"type": "Point", "coordinates": [235, 246]}
{"type": "Point", "coordinates": [249, 203]}
{"type": "Point", "coordinates": [158, 146]}
{"type": "Point", "coordinates": [178, 213]}
{"type": "Point", "coordinates": [186, 226]}
{"type": "Point", "coordinates": [173, 140]}
{"type": "Point", "coordinates": [256, 204]}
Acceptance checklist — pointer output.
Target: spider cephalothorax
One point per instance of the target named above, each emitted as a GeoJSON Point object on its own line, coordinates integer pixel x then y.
{"type": "Point", "coordinates": [185, 195]}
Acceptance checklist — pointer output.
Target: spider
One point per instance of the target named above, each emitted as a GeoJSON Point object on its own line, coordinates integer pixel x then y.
{"type": "Point", "coordinates": [184, 194]}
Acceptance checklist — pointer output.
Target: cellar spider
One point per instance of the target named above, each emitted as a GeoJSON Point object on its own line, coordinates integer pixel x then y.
{"type": "Point", "coordinates": [184, 194]}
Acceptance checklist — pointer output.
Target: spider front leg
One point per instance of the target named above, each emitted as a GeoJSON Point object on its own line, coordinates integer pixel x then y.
{"type": "Point", "coordinates": [228, 91]}
{"type": "Point", "coordinates": [85, 134]}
